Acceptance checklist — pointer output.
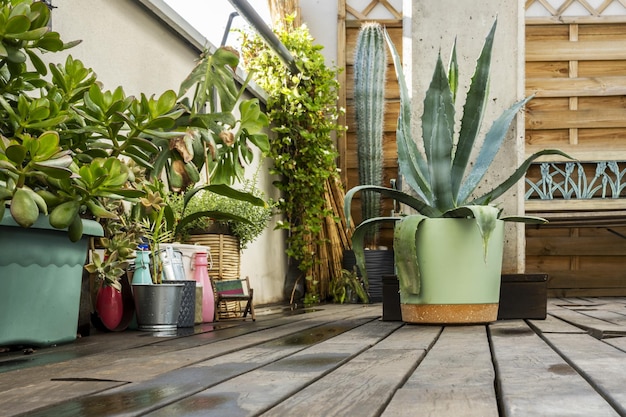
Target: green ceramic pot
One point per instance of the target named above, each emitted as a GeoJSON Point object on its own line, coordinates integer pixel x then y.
{"type": "Point", "coordinates": [40, 280]}
{"type": "Point", "coordinates": [458, 284]}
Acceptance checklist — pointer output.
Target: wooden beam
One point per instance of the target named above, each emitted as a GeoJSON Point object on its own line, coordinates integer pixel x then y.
{"type": "Point", "coordinates": [584, 50]}
{"type": "Point", "coordinates": [576, 87]}
{"type": "Point", "coordinates": [567, 119]}
{"type": "Point", "coordinates": [602, 206]}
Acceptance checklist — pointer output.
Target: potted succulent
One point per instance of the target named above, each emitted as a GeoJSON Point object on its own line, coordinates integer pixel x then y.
{"type": "Point", "coordinates": [63, 140]}
{"type": "Point", "coordinates": [157, 303]}
{"type": "Point", "coordinates": [47, 181]}
{"type": "Point", "coordinates": [450, 221]}
{"type": "Point", "coordinates": [112, 297]}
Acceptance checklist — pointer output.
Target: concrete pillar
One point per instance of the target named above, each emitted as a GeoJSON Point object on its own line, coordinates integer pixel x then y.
{"type": "Point", "coordinates": [432, 25]}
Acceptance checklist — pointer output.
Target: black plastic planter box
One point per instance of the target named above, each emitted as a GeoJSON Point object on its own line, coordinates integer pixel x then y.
{"type": "Point", "coordinates": [391, 298]}
{"type": "Point", "coordinates": [523, 296]}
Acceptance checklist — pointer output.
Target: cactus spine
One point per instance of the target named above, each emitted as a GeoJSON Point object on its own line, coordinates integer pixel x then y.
{"type": "Point", "coordinates": [370, 64]}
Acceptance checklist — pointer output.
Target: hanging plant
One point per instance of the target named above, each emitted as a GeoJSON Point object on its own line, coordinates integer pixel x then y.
{"type": "Point", "coordinates": [303, 110]}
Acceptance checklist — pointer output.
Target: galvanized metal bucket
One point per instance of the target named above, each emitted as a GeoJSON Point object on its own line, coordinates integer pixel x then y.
{"type": "Point", "coordinates": [157, 306]}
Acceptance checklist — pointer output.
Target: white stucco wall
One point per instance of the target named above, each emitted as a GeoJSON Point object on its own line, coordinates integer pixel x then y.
{"type": "Point", "coordinates": [320, 17]}
{"type": "Point", "coordinates": [126, 45]}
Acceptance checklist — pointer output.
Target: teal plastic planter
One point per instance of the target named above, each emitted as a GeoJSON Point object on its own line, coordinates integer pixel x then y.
{"type": "Point", "coordinates": [40, 282]}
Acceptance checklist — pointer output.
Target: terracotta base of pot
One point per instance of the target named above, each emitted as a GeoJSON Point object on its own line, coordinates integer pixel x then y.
{"type": "Point", "coordinates": [449, 313]}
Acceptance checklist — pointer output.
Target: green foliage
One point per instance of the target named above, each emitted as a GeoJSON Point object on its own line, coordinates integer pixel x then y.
{"type": "Point", "coordinates": [64, 136]}
{"type": "Point", "coordinates": [209, 113]}
{"type": "Point", "coordinates": [71, 149]}
{"type": "Point", "coordinates": [245, 219]}
{"type": "Point", "coordinates": [438, 177]}
{"type": "Point", "coordinates": [120, 241]}
{"type": "Point", "coordinates": [303, 110]}
{"type": "Point", "coordinates": [345, 284]}
{"type": "Point", "coordinates": [370, 66]}
{"type": "Point", "coordinates": [312, 296]}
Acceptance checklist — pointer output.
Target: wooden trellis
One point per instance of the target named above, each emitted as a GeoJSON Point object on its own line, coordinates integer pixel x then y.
{"type": "Point", "coordinates": [576, 67]}
{"type": "Point", "coordinates": [574, 10]}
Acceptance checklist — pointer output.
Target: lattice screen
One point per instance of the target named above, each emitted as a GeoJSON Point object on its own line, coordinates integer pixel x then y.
{"type": "Point", "coordinates": [374, 9]}
{"type": "Point", "coordinates": [562, 9]}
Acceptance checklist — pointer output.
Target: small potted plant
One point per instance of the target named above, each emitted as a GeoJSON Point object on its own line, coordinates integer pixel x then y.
{"type": "Point", "coordinates": [451, 223]}
{"type": "Point", "coordinates": [53, 175]}
{"type": "Point", "coordinates": [112, 298]}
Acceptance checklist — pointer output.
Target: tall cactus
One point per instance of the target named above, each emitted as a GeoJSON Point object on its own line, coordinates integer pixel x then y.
{"type": "Point", "coordinates": [370, 64]}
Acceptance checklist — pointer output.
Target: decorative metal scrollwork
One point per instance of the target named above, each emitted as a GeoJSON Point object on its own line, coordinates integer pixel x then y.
{"type": "Point", "coordinates": [568, 180]}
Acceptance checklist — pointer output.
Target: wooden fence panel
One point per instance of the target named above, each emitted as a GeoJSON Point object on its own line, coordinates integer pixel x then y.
{"type": "Point", "coordinates": [576, 67]}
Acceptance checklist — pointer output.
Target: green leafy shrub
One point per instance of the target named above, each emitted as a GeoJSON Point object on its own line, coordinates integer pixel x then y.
{"type": "Point", "coordinates": [257, 216]}
{"type": "Point", "coordinates": [303, 110]}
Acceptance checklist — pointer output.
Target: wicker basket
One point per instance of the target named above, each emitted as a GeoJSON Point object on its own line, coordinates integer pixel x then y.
{"type": "Point", "coordinates": [225, 259]}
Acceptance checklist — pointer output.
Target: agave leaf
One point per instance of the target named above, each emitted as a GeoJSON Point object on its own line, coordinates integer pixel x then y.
{"type": "Point", "coordinates": [492, 144]}
{"type": "Point", "coordinates": [405, 247]}
{"type": "Point", "coordinates": [485, 216]}
{"type": "Point", "coordinates": [437, 133]}
{"type": "Point", "coordinates": [412, 165]}
{"type": "Point", "coordinates": [358, 240]}
{"type": "Point", "coordinates": [516, 176]}
{"type": "Point", "coordinates": [453, 72]}
{"type": "Point", "coordinates": [524, 219]}
{"type": "Point", "coordinates": [473, 111]}
{"type": "Point", "coordinates": [397, 195]}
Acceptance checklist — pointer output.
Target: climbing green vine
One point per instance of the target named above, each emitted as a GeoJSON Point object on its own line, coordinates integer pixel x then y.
{"type": "Point", "coordinates": [303, 111]}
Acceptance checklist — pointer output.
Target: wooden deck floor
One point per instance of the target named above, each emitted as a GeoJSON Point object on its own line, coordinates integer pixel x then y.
{"type": "Point", "coordinates": [336, 360]}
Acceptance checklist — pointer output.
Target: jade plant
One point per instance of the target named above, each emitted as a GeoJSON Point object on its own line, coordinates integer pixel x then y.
{"type": "Point", "coordinates": [370, 65]}
{"type": "Point", "coordinates": [442, 180]}
{"type": "Point", "coordinates": [65, 139]}
{"type": "Point", "coordinates": [70, 149]}
{"type": "Point", "coordinates": [62, 133]}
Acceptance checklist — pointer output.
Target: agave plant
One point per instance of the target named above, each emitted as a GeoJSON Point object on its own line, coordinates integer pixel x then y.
{"type": "Point", "coordinates": [442, 178]}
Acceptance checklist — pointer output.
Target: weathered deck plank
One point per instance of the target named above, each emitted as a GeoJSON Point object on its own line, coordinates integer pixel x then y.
{"type": "Point", "coordinates": [364, 385]}
{"type": "Point", "coordinates": [555, 325]}
{"type": "Point", "coordinates": [264, 387]}
{"type": "Point", "coordinates": [14, 401]}
{"type": "Point", "coordinates": [599, 328]}
{"type": "Point", "coordinates": [336, 360]}
{"type": "Point", "coordinates": [535, 381]}
{"type": "Point", "coordinates": [602, 365]}
{"type": "Point", "coordinates": [616, 342]}
{"type": "Point", "coordinates": [456, 378]}
{"type": "Point", "coordinates": [148, 363]}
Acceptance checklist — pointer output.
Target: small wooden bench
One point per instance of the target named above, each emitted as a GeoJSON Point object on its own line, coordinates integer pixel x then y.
{"type": "Point", "coordinates": [230, 294]}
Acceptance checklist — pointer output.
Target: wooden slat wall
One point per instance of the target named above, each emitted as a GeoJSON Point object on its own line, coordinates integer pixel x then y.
{"type": "Point", "coordinates": [578, 74]}
{"type": "Point", "coordinates": [578, 261]}
{"type": "Point", "coordinates": [576, 67]}
{"type": "Point", "coordinates": [350, 23]}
